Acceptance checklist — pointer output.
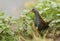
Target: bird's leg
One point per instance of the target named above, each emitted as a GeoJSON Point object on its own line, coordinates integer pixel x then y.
{"type": "Point", "coordinates": [46, 32]}
{"type": "Point", "coordinates": [35, 31]}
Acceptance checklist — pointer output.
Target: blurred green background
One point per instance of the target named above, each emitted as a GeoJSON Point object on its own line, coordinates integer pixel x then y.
{"type": "Point", "coordinates": [20, 29]}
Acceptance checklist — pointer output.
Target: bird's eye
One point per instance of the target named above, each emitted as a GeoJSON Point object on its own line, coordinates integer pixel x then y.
{"type": "Point", "coordinates": [33, 10]}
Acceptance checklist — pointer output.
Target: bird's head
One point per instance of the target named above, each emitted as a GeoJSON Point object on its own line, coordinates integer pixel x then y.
{"type": "Point", "coordinates": [33, 10]}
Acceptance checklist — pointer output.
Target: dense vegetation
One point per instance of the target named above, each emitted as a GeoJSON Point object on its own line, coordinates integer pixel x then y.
{"type": "Point", "coordinates": [23, 29]}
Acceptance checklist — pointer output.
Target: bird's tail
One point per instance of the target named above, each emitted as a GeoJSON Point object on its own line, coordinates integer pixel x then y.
{"type": "Point", "coordinates": [50, 21]}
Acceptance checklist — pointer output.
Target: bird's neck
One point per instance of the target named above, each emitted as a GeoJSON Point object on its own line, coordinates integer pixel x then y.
{"type": "Point", "coordinates": [37, 15]}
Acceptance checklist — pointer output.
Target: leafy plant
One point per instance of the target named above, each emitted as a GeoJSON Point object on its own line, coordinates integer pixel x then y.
{"type": "Point", "coordinates": [25, 29]}
{"type": "Point", "coordinates": [5, 32]}
{"type": "Point", "coordinates": [48, 10]}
